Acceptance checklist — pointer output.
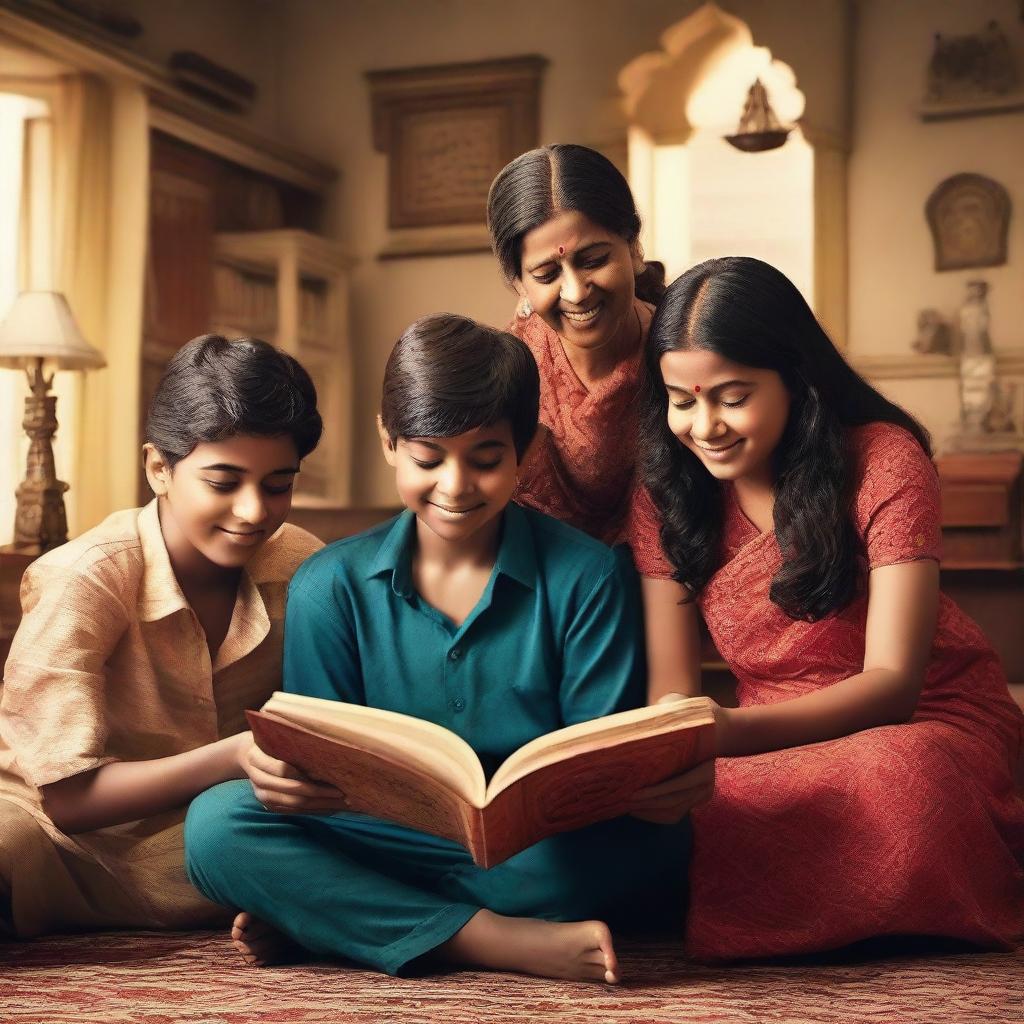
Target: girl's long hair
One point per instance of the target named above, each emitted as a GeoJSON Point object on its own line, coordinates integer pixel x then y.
{"type": "Point", "coordinates": [749, 313]}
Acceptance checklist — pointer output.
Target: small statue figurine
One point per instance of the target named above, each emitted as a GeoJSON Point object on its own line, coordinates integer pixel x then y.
{"type": "Point", "coordinates": [977, 363]}
{"type": "Point", "coordinates": [1000, 416]}
{"type": "Point", "coordinates": [933, 336]}
{"type": "Point", "coordinates": [974, 321]}
{"type": "Point", "coordinates": [987, 421]}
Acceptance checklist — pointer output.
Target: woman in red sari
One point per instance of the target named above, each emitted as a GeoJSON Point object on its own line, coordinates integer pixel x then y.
{"type": "Point", "coordinates": [865, 783]}
{"type": "Point", "coordinates": [566, 233]}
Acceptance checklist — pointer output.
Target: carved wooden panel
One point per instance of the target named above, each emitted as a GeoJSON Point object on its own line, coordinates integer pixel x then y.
{"type": "Point", "coordinates": [448, 130]}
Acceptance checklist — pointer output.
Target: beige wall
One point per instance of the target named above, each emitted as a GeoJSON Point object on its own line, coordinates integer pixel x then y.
{"type": "Point", "coordinates": [897, 161]}
{"type": "Point", "coordinates": [324, 109]}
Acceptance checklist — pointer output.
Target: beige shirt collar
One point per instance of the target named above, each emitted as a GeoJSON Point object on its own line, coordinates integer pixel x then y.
{"type": "Point", "coordinates": [160, 595]}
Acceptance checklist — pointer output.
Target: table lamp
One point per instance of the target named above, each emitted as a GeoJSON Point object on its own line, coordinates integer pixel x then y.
{"type": "Point", "coordinates": [40, 333]}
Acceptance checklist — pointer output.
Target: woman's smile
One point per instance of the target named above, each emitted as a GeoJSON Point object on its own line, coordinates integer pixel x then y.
{"type": "Point", "coordinates": [584, 317]}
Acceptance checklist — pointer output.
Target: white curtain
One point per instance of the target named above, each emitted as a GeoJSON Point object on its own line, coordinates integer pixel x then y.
{"type": "Point", "coordinates": [14, 109]}
{"type": "Point", "coordinates": [83, 232]}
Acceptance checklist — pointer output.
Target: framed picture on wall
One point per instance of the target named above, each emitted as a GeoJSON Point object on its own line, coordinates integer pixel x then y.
{"type": "Point", "coordinates": [447, 130]}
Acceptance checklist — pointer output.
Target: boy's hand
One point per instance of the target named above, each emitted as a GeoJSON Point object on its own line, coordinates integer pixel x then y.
{"type": "Point", "coordinates": [283, 788]}
{"type": "Point", "coordinates": [670, 801]}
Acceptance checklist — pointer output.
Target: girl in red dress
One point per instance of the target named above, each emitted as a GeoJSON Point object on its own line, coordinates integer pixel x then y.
{"type": "Point", "coordinates": [566, 233]}
{"type": "Point", "coordinates": [865, 784]}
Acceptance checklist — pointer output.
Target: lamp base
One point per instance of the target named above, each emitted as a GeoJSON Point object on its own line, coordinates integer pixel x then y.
{"type": "Point", "coordinates": [40, 522]}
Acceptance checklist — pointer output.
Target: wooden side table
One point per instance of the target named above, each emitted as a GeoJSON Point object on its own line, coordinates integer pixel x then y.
{"type": "Point", "coordinates": [12, 567]}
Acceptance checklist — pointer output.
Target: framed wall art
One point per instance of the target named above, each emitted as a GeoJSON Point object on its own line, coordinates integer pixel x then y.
{"type": "Point", "coordinates": [447, 130]}
{"type": "Point", "coordinates": [969, 218]}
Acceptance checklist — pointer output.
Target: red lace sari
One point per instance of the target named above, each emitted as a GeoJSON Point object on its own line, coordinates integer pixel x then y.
{"type": "Point", "coordinates": [902, 829]}
{"type": "Point", "coordinates": [581, 469]}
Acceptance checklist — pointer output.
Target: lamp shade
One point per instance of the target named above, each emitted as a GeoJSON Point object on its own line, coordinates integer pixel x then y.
{"type": "Point", "coordinates": [40, 325]}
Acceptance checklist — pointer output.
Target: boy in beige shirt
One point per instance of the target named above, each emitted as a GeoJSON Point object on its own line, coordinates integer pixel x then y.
{"type": "Point", "coordinates": [141, 645]}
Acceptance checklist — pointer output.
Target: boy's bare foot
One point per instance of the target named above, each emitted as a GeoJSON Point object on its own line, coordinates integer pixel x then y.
{"type": "Point", "coordinates": [581, 950]}
{"type": "Point", "coordinates": [261, 944]}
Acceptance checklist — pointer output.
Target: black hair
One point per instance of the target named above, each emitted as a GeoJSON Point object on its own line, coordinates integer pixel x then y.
{"type": "Point", "coordinates": [543, 182]}
{"type": "Point", "coordinates": [448, 374]}
{"type": "Point", "coordinates": [213, 389]}
{"type": "Point", "coordinates": [750, 313]}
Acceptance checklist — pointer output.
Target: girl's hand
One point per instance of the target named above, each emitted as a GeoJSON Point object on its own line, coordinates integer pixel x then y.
{"type": "Point", "coordinates": [283, 788]}
{"type": "Point", "coordinates": [725, 722]}
{"type": "Point", "coordinates": [670, 801]}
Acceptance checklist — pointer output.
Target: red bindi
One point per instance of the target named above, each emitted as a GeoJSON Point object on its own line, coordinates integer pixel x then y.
{"type": "Point", "coordinates": [696, 389]}
{"type": "Point", "coordinates": [561, 250]}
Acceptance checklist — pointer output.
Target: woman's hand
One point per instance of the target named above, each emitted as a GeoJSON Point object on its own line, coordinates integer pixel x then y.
{"type": "Point", "coordinates": [283, 788]}
{"type": "Point", "coordinates": [670, 801]}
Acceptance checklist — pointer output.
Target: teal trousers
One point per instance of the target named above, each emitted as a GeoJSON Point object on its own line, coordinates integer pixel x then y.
{"type": "Point", "coordinates": [383, 895]}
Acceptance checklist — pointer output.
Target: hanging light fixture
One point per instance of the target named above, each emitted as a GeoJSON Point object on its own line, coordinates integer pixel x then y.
{"type": "Point", "coordinates": [759, 129]}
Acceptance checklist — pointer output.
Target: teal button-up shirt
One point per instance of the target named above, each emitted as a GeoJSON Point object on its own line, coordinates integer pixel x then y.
{"type": "Point", "coordinates": [555, 638]}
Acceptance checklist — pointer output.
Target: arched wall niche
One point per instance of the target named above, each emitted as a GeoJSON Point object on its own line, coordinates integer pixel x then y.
{"type": "Point", "coordinates": [679, 101]}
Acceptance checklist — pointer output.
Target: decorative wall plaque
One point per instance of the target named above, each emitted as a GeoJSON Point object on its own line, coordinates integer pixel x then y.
{"type": "Point", "coordinates": [969, 217]}
{"type": "Point", "coordinates": [447, 131]}
{"type": "Point", "coordinates": [970, 75]}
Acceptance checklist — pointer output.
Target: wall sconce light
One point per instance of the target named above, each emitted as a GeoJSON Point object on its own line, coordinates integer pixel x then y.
{"type": "Point", "coordinates": [40, 334]}
{"type": "Point", "coordinates": [759, 129]}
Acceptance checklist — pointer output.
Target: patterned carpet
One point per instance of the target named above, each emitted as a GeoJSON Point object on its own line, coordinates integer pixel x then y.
{"type": "Point", "coordinates": [132, 978]}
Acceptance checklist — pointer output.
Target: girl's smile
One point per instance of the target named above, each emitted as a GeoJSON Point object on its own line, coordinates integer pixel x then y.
{"type": "Point", "coordinates": [733, 420]}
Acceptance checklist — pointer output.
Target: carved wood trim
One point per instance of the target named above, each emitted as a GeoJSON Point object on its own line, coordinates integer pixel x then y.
{"type": "Point", "coordinates": [171, 110]}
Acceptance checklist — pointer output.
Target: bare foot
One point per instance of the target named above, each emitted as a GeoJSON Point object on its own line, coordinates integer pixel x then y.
{"type": "Point", "coordinates": [261, 944]}
{"type": "Point", "coordinates": [581, 950]}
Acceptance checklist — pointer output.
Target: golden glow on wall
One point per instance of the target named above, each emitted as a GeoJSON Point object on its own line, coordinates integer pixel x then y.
{"type": "Point", "coordinates": [717, 100]}
{"type": "Point", "coordinates": [753, 204]}
{"type": "Point", "coordinates": [698, 196]}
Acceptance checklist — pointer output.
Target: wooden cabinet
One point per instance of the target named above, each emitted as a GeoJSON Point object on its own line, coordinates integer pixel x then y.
{"type": "Point", "coordinates": [197, 198]}
{"type": "Point", "coordinates": [290, 288]}
{"type": "Point", "coordinates": [983, 547]}
{"type": "Point", "coordinates": [981, 511]}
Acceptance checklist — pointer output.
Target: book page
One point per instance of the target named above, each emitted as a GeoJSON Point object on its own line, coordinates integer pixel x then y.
{"type": "Point", "coordinates": [424, 746]}
{"type": "Point", "coordinates": [596, 783]}
{"type": "Point", "coordinates": [599, 733]}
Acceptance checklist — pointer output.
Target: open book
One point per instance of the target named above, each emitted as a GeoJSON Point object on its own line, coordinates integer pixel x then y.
{"type": "Point", "coordinates": [422, 775]}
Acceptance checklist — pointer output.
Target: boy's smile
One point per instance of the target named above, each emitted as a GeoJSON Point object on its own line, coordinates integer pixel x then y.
{"type": "Point", "coordinates": [457, 486]}
{"type": "Point", "coordinates": [224, 499]}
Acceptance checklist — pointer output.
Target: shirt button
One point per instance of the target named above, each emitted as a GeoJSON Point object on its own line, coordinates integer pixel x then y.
{"type": "Point", "coordinates": [458, 704]}
{"type": "Point", "coordinates": [454, 654]}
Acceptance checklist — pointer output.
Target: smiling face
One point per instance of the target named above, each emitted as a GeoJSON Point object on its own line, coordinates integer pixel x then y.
{"type": "Point", "coordinates": [729, 415]}
{"type": "Point", "coordinates": [457, 486]}
{"type": "Point", "coordinates": [223, 500]}
{"type": "Point", "coordinates": [580, 279]}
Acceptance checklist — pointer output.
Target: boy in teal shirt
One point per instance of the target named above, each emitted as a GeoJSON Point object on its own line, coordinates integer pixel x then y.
{"type": "Point", "coordinates": [492, 620]}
